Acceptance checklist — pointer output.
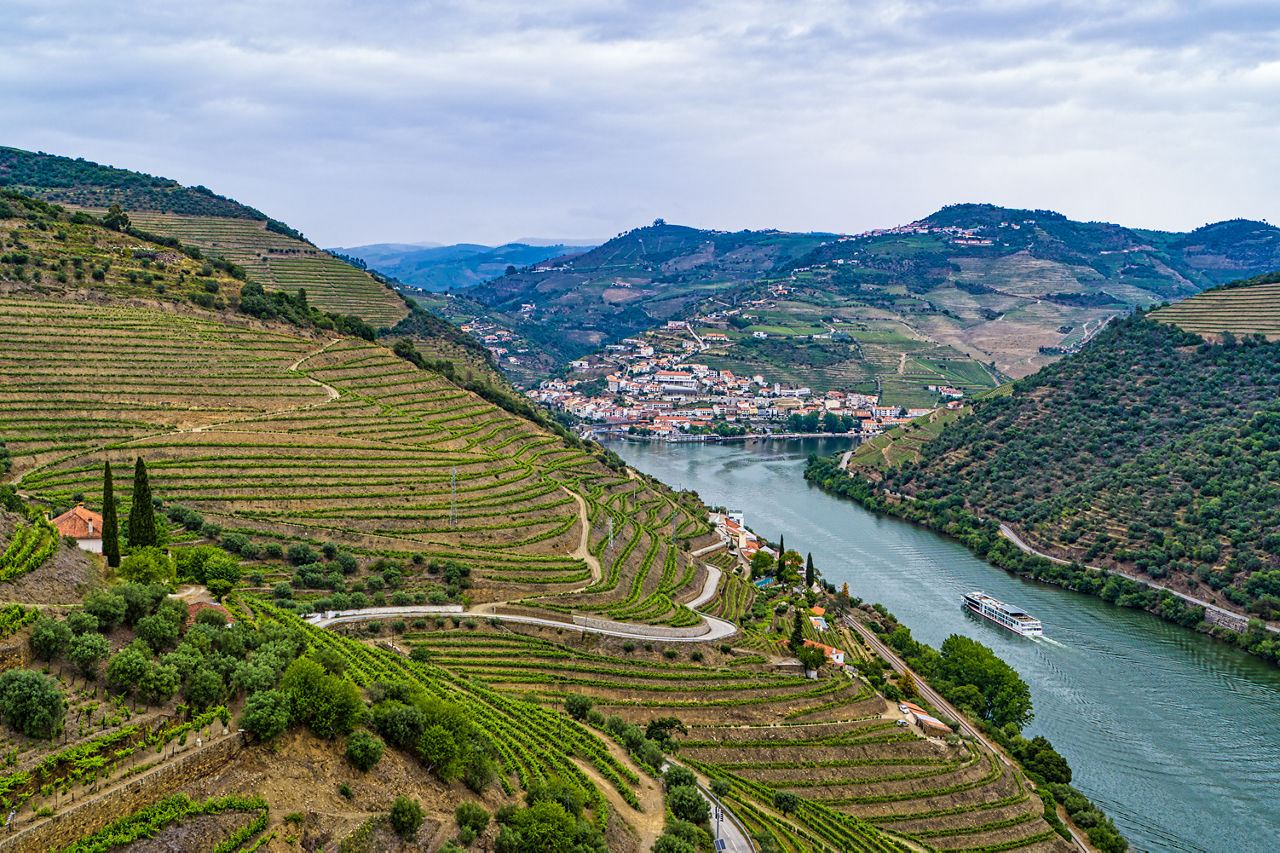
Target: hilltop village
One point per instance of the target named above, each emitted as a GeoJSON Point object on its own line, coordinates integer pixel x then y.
{"type": "Point", "coordinates": [654, 385]}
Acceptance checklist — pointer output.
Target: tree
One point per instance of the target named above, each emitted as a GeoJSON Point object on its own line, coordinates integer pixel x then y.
{"type": "Point", "coordinates": [546, 827]}
{"type": "Point", "coordinates": [364, 749]}
{"type": "Point", "coordinates": [148, 565]}
{"type": "Point", "coordinates": [159, 631]}
{"type": "Point", "coordinates": [797, 632]}
{"type": "Point", "coordinates": [142, 513]}
{"type": "Point", "coordinates": [205, 686]}
{"type": "Point", "coordinates": [159, 683]}
{"type": "Point", "coordinates": [785, 802]}
{"type": "Point", "coordinates": [812, 657]}
{"type": "Point", "coordinates": [687, 804]}
{"type": "Point", "coordinates": [49, 638]}
{"type": "Point", "coordinates": [107, 606]}
{"type": "Point", "coordinates": [809, 574]}
{"type": "Point", "coordinates": [677, 776]}
{"type": "Point", "coordinates": [31, 702]}
{"type": "Point", "coordinates": [671, 844]}
{"type": "Point", "coordinates": [439, 751]}
{"type": "Point", "coordinates": [87, 651]}
{"type": "Point", "coordinates": [471, 816]}
{"type": "Point", "coordinates": [907, 684]}
{"type": "Point", "coordinates": [406, 816]}
{"type": "Point", "coordinates": [116, 219]}
{"type": "Point", "coordinates": [662, 729]}
{"type": "Point", "coordinates": [578, 705]}
{"type": "Point", "coordinates": [266, 714]}
{"type": "Point", "coordinates": [782, 557]}
{"type": "Point", "coordinates": [125, 669]}
{"type": "Point", "coordinates": [110, 524]}
{"type": "Point", "coordinates": [328, 704]}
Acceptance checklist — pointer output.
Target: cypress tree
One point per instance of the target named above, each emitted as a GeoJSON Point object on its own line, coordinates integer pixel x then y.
{"type": "Point", "coordinates": [142, 515]}
{"type": "Point", "coordinates": [797, 632]}
{"type": "Point", "coordinates": [782, 555]}
{"type": "Point", "coordinates": [110, 525]}
{"type": "Point", "coordinates": [809, 573]}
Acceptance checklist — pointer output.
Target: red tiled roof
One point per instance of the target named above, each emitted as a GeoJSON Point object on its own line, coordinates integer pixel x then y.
{"type": "Point", "coordinates": [79, 523]}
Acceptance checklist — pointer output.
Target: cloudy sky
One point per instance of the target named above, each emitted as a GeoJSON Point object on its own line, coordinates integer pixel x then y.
{"type": "Point", "coordinates": [489, 120]}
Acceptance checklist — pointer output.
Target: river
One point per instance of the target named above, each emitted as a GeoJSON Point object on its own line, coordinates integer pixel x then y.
{"type": "Point", "coordinates": [1175, 735]}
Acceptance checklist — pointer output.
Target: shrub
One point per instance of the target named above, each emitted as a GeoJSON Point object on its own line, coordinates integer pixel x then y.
{"type": "Point", "coordinates": [670, 654]}
{"type": "Point", "coordinates": [302, 554]}
{"type": "Point", "coordinates": [721, 787]}
{"type": "Point", "coordinates": [406, 816]}
{"type": "Point", "coordinates": [272, 551]}
{"type": "Point", "coordinates": [364, 749]}
{"type": "Point", "coordinates": [266, 714]}
{"type": "Point", "coordinates": [677, 776]}
{"type": "Point", "coordinates": [687, 804]}
{"type": "Point", "coordinates": [696, 657]}
{"type": "Point", "coordinates": [345, 790]}
{"type": "Point", "coordinates": [578, 706]}
{"type": "Point", "coordinates": [595, 717]}
{"type": "Point", "coordinates": [628, 647]}
{"type": "Point", "coordinates": [471, 816]}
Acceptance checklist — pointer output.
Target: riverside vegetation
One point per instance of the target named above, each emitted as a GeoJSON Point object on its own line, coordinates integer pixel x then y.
{"type": "Point", "coordinates": [1149, 452]}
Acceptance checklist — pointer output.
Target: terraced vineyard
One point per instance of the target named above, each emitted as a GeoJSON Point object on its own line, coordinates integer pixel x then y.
{"type": "Point", "coordinates": [1250, 309]}
{"type": "Point", "coordinates": [864, 783]}
{"type": "Point", "coordinates": [284, 437]}
{"type": "Point", "coordinates": [284, 263]}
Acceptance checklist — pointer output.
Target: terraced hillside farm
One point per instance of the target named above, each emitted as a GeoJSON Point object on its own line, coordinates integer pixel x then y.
{"type": "Point", "coordinates": [864, 782]}
{"type": "Point", "coordinates": [1253, 307]}
{"type": "Point", "coordinates": [287, 438]}
{"type": "Point", "coordinates": [282, 262]}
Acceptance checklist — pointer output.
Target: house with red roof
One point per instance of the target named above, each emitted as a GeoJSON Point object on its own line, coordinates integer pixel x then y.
{"type": "Point", "coordinates": [83, 525]}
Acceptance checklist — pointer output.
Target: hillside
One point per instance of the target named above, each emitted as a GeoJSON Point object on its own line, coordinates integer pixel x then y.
{"type": "Point", "coordinates": [299, 470]}
{"type": "Point", "coordinates": [966, 296]}
{"type": "Point", "coordinates": [463, 265]}
{"type": "Point", "coordinates": [631, 283]}
{"type": "Point", "coordinates": [1150, 452]}
{"type": "Point", "coordinates": [273, 254]}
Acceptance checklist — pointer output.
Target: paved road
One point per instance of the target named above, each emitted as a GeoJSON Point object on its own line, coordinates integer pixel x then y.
{"type": "Point", "coordinates": [730, 829]}
{"type": "Point", "coordinates": [1008, 533]}
{"type": "Point", "coordinates": [719, 628]}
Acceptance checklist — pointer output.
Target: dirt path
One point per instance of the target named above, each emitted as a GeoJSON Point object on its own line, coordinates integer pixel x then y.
{"type": "Point", "coordinates": [583, 551]}
{"type": "Point", "coordinates": [649, 822]}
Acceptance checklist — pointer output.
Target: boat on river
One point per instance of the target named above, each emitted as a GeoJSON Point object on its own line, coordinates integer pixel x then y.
{"type": "Point", "coordinates": [1005, 615]}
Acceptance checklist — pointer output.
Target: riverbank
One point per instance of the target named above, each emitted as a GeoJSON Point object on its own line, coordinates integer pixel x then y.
{"type": "Point", "coordinates": [986, 540]}
{"type": "Point", "coordinates": [687, 438]}
{"type": "Point", "coordinates": [1167, 730]}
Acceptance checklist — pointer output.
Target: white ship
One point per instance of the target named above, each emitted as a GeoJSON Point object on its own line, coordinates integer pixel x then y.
{"type": "Point", "coordinates": [1013, 618]}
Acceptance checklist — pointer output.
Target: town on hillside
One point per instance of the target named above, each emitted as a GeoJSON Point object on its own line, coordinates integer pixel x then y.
{"type": "Point", "coordinates": [654, 386]}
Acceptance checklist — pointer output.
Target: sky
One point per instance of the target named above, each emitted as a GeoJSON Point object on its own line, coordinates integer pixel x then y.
{"type": "Point", "coordinates": [491, 120]}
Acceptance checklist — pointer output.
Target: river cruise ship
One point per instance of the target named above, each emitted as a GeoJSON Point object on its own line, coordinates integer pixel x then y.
{"type": "Point", "coordinates": [1013, 618]}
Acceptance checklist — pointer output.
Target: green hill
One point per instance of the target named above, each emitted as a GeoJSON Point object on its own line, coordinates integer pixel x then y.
{"type": "Point", "coordinates": [1150, 452]}
{"type": "Point", "coordinates": [275, 255]}
{"type": "Point", "coordinates": [441, 268]}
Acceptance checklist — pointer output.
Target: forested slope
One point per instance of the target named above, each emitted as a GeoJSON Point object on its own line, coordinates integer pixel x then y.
{"type": "Point", "coordinates": [1151, 451]}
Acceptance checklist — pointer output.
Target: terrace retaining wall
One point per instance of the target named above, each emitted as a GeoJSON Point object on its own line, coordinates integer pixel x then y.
{"type": "Point", "coordinates": [89, 816]}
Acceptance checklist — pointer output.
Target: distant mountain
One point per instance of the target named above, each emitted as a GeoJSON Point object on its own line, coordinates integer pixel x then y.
{"type": "Point", "coordinates": [635, 281]}
{"type": "Point", "coordinates": [439, 268]}
{"type": "Point", "coordinates": [892, 310]}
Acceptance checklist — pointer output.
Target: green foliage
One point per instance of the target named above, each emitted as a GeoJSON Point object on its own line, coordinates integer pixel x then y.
{"type": "Point", "coordinates": [148, 565]}
{"type": "Point", "coordinates": [266, 714]}
{"type": "Point", "coordinates": [31, 702]}
{"type": "Point", "coordinates": [785, 802]}
{"type": "Point", "coordinates": [405, 816]}
{"type": "Point", "coordinates": [125, 670]}
{"type": "Point", "coordinates": [110, 523]}
{"type": "Point", "coordinates": [471, 815]}
{"type": "Point", "coordinates": [142, 518]}
{"type": "Point", "coordinates": [49, 638]}
{"type": "Point", "coordinates": [364, 749]}
{"type": "Point", "coordinates": [578, 705]}
{"type": "Point", "coordinates": [327, 704]}
{"type": "Point", "coordinates": [687, 804]}
{"type": "Point", "coordinates": [87, 652]}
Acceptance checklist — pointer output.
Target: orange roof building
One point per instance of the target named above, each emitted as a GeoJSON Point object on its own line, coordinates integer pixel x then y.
{"type": "Point", "coordinates": [85, 526]}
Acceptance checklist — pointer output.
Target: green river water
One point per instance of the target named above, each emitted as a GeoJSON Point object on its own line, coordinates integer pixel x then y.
{"type": "Point", "coordinates": [1175, 735]}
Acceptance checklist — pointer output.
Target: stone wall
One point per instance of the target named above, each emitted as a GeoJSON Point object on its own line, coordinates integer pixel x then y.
{"type": "Point", "coordinates": [84, 818]}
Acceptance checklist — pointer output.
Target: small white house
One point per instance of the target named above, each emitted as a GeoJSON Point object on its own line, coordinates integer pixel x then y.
{"type": "Point", "coordinates": [82, 525]}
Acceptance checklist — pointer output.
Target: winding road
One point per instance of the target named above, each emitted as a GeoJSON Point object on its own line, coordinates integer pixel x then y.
{"type": "Point", "coordinates": [1008, 533]}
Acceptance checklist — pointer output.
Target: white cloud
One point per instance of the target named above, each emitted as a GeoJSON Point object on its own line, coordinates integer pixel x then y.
{"type": "Point", "coordinates": [359, 122]}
